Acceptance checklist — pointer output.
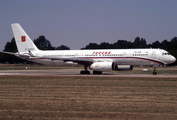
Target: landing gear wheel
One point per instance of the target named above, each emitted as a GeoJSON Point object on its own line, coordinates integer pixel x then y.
{"type": "Point", "coordinates": [84, 72]}
{"type": "Point", "coordinates": [154, 73]}
{"type": "Point", "coordinates": [97, 72]}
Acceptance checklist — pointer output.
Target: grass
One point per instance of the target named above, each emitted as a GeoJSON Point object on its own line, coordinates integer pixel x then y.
{"type": "Point", "coordinates": [37, 97]}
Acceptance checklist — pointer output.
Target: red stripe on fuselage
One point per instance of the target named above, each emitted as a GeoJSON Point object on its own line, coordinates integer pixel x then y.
{"type": "Point", "coordinates": [160, 63]}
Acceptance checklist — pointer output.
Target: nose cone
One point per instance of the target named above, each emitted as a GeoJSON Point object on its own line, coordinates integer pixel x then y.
{"type": "Point", "coordinates": [173, 59]}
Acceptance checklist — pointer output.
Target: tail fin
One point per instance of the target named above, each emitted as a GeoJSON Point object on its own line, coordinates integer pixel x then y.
{"type": "Point", "coordinates": [24, 43]}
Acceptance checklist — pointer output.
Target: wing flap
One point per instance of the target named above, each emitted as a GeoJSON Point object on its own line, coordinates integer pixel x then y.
{"type": "Point", "coordinates": [74, 60]}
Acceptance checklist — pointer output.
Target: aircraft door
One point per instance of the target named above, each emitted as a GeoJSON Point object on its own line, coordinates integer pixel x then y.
{"type": "Point", "coordinates": [153, 55]}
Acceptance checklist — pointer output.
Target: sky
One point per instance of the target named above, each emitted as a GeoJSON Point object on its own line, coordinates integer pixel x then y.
{"type": "Point", "coordinates": [76, 23]}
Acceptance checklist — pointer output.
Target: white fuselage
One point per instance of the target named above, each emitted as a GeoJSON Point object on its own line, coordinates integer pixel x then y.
{"type": "Point", "coordinates": [118, 56]}
{"type": "Point", "coordinates": [97, 60]}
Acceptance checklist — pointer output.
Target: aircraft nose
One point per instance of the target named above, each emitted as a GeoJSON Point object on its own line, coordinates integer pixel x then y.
{"type": "Point", "coordinates": [173, 59]}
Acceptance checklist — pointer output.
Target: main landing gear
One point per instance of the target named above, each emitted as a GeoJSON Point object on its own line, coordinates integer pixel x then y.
{"type": "Point", "coordinates": [85, 71]}
{"type": "Point", "coordinates": [88, 72]}
{"type": "Point", "coordinates": [97, 72]}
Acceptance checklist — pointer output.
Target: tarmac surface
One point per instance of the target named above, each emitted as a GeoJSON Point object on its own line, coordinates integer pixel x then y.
{"type": "Point", "coordinates": [76, 72]}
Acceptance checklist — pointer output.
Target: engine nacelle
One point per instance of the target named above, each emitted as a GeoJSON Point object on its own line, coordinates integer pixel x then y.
{"type": "Point", "coordinates": [101, 66]}
{"type": "Point", "coordinates": [24, 56]}
{"type": "Point", "coordinates": [123, 67]}
{"type": "Point", "coordinates": [109, 66]}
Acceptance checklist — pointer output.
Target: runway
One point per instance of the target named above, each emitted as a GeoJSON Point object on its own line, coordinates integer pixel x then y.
{"type": "Point", "coordinates": [76, 72]}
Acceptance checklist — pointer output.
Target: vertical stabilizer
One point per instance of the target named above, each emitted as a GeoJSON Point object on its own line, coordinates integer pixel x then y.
{"type": "Point", "coordinates": [23, 42]}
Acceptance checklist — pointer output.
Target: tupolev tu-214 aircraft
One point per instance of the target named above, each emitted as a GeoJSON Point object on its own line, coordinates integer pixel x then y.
{"type": "Point", "coordinates": [99, 60]}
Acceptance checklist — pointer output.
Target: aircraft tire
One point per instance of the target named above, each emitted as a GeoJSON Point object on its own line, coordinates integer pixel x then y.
{"type": "Point", "coordinates": [154, 73]}
{"type": "Point", "coordinates": [97, 72]}
{"type": "Point", "coordinates": [84, 72]}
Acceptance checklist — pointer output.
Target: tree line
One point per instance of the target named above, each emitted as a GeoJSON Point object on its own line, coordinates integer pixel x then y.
{"type": "Point", "coordinates": [43, 44]}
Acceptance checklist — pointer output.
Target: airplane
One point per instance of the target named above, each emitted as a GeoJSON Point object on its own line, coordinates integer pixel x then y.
{"type": "Point", "coordinates": [99, 60]}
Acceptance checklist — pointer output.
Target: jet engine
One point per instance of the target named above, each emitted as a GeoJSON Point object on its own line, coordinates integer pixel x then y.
{"type": "Point", "coordinates": [24, 56]}
{"type": "Point", "coordinates": [123, 67]}
{"type": "Point", "coordinates": [101, 66]}
{"type": "Point", "coordinates": [109, 66]}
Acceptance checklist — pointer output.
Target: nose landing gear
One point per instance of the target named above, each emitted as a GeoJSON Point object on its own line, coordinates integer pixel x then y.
{"type": "Point", "coordinates": [154, 72]}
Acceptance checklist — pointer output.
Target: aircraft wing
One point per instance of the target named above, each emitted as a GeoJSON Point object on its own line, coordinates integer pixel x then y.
{"type": "Point", "coordinates": [8, 52]}
{"type": "Point", "coordinates": [82, 61]}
